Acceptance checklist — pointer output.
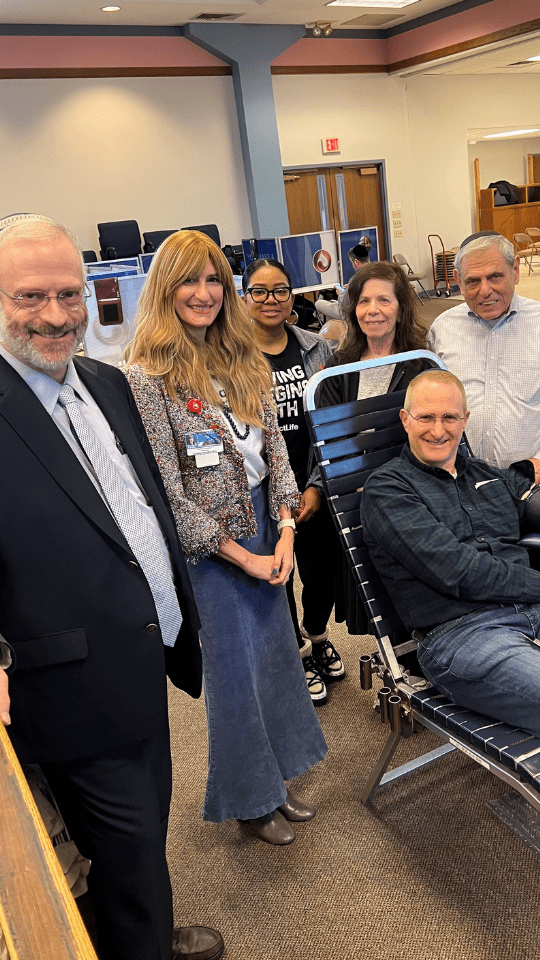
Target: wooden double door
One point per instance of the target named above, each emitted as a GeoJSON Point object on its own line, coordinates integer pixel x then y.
{"type": "Point", "coordinates": [336, 198]}
{"type": "Point", "coordinates": [533, 166]}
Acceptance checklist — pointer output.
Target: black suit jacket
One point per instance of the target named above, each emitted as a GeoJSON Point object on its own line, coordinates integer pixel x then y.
{"type": "Point", "coordinates": [74, 606]}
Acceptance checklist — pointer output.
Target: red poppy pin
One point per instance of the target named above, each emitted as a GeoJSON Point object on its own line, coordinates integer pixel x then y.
{"type": "Point", "coordinates": [195, 406]}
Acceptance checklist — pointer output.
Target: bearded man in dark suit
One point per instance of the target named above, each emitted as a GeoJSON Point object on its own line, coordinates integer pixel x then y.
{"type": "Point", "coordinates": [90, 619]}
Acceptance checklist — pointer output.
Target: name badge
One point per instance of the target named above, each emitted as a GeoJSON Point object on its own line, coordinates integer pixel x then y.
{"type": "Point", "coordinates": [205, 447]}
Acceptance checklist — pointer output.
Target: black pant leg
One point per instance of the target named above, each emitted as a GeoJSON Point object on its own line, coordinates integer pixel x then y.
{"type": "Point", "coordinates": [317, 549]}
{"type": "Point", "coordinates": [116, 809]}
{"type": "Point", "coordinates": [289, 588]}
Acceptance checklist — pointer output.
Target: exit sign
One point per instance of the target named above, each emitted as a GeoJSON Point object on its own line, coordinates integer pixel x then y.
{"type": "Point", "coordinates": [330, 145]}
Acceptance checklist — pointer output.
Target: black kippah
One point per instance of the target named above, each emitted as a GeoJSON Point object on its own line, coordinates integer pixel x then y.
{"type": "Point", "coordinates": [475, 236]}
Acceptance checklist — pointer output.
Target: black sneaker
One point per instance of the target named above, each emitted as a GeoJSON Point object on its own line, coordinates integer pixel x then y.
{"type": "Point", "coordinates": [315, 682]}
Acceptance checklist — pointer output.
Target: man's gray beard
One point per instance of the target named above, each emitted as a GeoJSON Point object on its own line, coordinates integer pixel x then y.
{"type": "Point", "coordinates": [24, 350]}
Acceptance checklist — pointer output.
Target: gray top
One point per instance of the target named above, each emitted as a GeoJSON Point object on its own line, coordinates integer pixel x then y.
{"type": "Point", "coordinates": [375, 381]}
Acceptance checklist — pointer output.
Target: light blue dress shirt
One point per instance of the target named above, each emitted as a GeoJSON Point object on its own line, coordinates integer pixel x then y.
{"type": "Point", "coordinates": [499, 366]}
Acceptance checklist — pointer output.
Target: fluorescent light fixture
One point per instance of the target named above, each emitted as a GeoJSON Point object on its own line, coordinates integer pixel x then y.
{"type": "Point", "coordinates": [382, 4]}
{"type": "Point", "coordinates": [510, 133]}
{"type": "Point", "coordinates": [110, 9]}
{"type": "Point", "coordinates": [532, 59]}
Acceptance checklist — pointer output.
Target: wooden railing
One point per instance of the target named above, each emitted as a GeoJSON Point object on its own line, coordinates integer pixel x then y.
{"type": "Point", "coordinates": [38, 915]}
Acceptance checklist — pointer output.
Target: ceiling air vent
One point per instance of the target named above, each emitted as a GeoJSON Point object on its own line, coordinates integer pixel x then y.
{"type": "Point", "coordinates": [216, 16]}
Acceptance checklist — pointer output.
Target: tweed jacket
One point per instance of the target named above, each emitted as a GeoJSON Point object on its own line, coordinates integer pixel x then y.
{"type": "Point", "coordinates": [212, 504]}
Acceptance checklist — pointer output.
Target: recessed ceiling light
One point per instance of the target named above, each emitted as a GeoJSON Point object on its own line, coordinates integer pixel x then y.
{"type": "Point", "coordinates": [110, 9]}
{"type": "Point", "coordinates": [510, 133]}
{"type": "Point", "coordinates": [383, 4]}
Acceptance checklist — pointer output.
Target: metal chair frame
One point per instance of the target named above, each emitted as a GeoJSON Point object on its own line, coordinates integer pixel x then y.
{"type": "Point", "coordinates": [525, 253]}
{"type": "Point", "coordinates": [412, 277]}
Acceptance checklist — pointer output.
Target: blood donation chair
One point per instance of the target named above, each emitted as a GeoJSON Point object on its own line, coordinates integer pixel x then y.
{"type": "Point", "coordinates": [346, 454]}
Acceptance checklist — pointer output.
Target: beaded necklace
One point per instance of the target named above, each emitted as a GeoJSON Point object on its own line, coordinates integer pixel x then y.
{"type": "Point", "coordinates": [227, 414]}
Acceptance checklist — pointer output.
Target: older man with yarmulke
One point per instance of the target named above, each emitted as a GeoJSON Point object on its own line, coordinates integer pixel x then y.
{"type": "Point", "coordinates": [95, 599]}
{"type": "Point", "coordinates": [492, 343]}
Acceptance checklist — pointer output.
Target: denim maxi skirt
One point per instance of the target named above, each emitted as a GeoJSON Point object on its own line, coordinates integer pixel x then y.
{"type": "Point", "coordinates": [262, 726]}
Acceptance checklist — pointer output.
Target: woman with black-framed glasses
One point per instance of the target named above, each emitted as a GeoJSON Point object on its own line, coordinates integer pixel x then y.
{"type": "Point", "coordinates": [295, 355]}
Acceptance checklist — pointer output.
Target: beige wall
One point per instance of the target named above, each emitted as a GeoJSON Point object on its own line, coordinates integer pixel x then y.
{"type": "Point", "coordinates": [441, 111]}
{"type": "Point", "coordinates": [369, 115]}
{"type": "Point", "coordinates": [166, 151]}
{"type": "Point", "coordinates": [418, 125]}
{"type": "Point", "coordinates": [162, 151]}
{"type": "Point", "coordinates": [503, 159]}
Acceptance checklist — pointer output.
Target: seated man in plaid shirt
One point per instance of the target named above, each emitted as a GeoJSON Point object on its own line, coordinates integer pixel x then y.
{"type": "Point", "coordinates": [443, 532]}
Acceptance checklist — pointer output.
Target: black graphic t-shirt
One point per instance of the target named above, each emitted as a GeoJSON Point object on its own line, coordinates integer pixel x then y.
{"type": "Point", "coordinates": [290, 382]}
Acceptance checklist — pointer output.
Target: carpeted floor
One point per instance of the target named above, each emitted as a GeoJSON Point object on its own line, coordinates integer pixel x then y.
{"type": "Point", "coordinates": [427, 872]}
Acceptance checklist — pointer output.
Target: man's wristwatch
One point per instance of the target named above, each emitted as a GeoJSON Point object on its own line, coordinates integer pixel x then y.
{"type": "Point", "coordinates": [286, 523]}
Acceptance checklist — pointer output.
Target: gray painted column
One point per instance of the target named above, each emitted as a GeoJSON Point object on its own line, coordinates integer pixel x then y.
{"type": "Point", "coordinates": [250, 49]}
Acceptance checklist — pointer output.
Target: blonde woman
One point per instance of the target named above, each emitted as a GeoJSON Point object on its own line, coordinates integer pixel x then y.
{"type": "Point", "coordinates": [194, 368]}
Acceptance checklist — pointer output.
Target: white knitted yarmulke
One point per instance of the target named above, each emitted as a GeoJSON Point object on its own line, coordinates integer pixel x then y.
{"type": "Point", "coordinates": [13, 218]}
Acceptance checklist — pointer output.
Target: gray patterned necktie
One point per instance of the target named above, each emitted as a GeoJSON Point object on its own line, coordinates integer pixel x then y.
{"type": "Point", "coordinates": [132, 522]}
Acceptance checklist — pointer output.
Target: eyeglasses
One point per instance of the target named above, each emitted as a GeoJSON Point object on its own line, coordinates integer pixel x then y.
{"type": "Point", "coordinates": [428, 419]}
{"type": "Point", "coordinates": [261, 294]}
{"type": "Point", "coordinates": [35, 301]}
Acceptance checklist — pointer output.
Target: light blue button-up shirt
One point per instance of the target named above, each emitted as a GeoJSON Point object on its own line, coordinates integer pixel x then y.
{"type": "Point", "coordinates": [47, 390]}
{"type": "Point", "coordinates": [499, 366]}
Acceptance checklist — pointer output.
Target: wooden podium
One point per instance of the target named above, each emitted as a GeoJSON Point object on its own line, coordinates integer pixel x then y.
{"type": "Point", "coordinates": [38, 915]}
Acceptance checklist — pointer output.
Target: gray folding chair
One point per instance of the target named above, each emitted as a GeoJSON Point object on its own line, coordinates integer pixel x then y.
{"type": "Point", "coordinates": [525, 249]}
{"type": "Point", "coordinates": [411, 276]}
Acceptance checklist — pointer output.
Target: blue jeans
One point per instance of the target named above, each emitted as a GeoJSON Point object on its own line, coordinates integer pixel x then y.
{"type": "Point", "coordinates": [489, 661]}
